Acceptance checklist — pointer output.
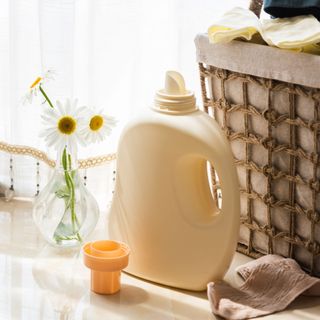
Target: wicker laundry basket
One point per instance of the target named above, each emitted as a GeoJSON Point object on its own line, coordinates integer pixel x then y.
{"type": "Point", "coordinates": [267, 101]}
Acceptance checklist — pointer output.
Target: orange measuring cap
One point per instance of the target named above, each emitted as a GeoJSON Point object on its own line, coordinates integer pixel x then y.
{"type": "Point", "coordinates": [106, 259]}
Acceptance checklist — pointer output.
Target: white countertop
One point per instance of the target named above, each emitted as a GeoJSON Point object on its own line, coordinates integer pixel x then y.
{"type": "Point", "coordinates": [40, 282]}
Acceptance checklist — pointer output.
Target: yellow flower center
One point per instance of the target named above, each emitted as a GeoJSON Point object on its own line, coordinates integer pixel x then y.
{"type": "Point", "coordinates": [67, 125]}
{"type": "Point", "coordinates": [96, 123]}
{"type": "Point", "coordinates": [36, 82]}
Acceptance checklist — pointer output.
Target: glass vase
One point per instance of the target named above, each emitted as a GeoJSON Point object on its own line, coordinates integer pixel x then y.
{"type": "Point", "coordinates": [65, 212]}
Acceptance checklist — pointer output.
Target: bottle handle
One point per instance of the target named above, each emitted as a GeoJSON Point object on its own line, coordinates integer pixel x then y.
{"type": "Point", "coordinates": [221, 159]}
{"type": "Point", "coordinates": [192, 186]}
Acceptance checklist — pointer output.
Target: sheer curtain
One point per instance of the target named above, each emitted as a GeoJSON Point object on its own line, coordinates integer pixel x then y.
{"type": "Point", "coordinates": [106, 53]}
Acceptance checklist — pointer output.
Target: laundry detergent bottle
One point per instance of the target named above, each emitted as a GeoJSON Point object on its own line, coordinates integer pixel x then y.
{"type": "Point", "coordinates": [163, 207]}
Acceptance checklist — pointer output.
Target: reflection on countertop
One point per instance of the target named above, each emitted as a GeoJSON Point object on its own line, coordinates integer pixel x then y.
{"type": "Point", "coordinates": [43, 282]}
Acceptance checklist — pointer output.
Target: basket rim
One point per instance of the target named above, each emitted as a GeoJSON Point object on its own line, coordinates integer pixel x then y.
{"type": "Point", "coordinates": [273, 63]}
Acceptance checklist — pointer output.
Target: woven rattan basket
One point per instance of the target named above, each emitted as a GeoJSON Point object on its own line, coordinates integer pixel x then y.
{"type": "Point", "coordinates": [271, 115]}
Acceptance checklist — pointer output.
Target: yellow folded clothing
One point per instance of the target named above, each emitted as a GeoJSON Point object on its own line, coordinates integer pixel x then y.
{"type": "Point", "coordinates": [290, 33]}
{"type": "Point", "coordinates": [236, 23]}
{"type": "Point", "coordinates": [301, 33]}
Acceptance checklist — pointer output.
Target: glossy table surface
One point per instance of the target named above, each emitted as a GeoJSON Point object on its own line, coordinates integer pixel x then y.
{"type": "Point", "coordinates": [41, 282]}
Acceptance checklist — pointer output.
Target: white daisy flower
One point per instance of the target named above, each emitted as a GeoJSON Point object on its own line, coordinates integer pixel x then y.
{"type": "Point", "coordinates": [36, 87]}
{"type": "Point", "coordinates": [63, 126]}
{"type": "Point", "coordinates": [98, 127]}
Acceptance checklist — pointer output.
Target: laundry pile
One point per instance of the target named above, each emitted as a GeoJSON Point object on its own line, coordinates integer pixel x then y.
{"type": "Point", "coordinates": [299, 32]}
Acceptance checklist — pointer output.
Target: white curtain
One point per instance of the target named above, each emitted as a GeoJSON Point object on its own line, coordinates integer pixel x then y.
{"type": "Point", "coordinates": [107, 53]}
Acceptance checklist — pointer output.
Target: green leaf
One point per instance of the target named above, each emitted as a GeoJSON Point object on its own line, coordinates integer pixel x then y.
{"type": "Point", "coordinates": [63, 193]}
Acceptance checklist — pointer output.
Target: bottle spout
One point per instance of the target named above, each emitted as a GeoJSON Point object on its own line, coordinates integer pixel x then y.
{"type": "Point", "coordinates": [174, 98]}
{"type": "Point", "coordinates": [174, 83]}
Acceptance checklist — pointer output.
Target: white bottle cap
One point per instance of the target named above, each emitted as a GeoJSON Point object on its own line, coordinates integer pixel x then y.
{"type": "Point", "coordinates": [174, 98]}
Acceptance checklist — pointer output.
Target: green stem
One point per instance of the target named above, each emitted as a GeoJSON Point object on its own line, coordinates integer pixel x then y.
{"type": "Point", "coordinates": [66, 163]}
{"type": "Point", "coordinates": [45, 96]}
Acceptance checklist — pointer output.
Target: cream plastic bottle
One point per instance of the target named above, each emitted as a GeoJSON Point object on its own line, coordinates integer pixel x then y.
{"type": "Point", "coordinates": [162, 206]}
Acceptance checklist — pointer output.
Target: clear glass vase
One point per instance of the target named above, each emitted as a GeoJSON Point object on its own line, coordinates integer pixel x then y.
{"type": "Point", "coordinates": [65, 212]}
